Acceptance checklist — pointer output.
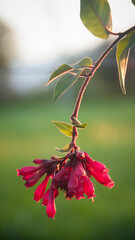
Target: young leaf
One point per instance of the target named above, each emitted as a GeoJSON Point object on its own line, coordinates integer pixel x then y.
{"type": "Point", "coordinates": [84, 125]}
{"type": "Point", "coordinates": [84, 62]}
{"type": "Point", "coordinates": [122, 54]}
{"type": "Point", "coordinates": [63, 69]}
{"type": "Point", "coordinates": [78, 124]}
{"type": "Point", "coordinates": [67, 148]}
{"type": "Point", "coordinates": [58, 158]}
{"type": "Point", "coordinates": [64, 83]}
{"type": "Point", "coordinates": [75, 121]}
{"type": "Point", "coordinates": [96, 16]}
{"type": "Point", "coordinates": [65, 128]}
{"type": "Point", "coordinates": [133, 1]}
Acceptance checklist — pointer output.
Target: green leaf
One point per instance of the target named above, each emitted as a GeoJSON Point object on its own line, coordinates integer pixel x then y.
{"type": "Point", "coordinates": [65, 128]}
{"type": "Point", "coordinates": [84, 125]}
{"type": "Point", "coordinates": [55, 158]}
{"type": "Point", "coordinates": [84, 62]}
{"type": "Point", "coordinates": [67, 148]}
{"type": "Point", "coordinates": [78, 124]}
{"type": "Point", "coordinates": [96, 16]}
{"type": "Point", "coordinates": [63, 69]}
{"type": "Point", "coordinates": [122, 54]}
{"type": "Point", "coordinates": [131, 40]}
{"type": "Point", "coordinates": [64, 83]}
{"type": "Point", "coordinates": [75, 121]}
{"type": "Point", "coordinates": [72, 69]}
{"type": "Point", "coordinates": [133, 1]}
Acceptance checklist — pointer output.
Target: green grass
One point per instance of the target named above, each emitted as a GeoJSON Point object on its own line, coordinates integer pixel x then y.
{"type": "Point", "coordinates": [27, 133]}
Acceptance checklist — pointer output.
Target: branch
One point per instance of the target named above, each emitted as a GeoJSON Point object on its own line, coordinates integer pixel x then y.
{"type": "Point", "coordinates": [90, 75]}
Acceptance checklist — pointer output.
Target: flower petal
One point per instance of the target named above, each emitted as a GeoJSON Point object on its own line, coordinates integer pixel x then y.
{"type": "Point", "coordinates": [102, 178]}
{"type": "Point", "coordinates": [80, 190]}
{"type": "Point", "coordinates": [40, 161]}
{"type": "Point", "coordinates": [51, 208]}
{"type": "Point", "coordinates": [88, 187]}
{"type": "Point", "coordinates": [73, 181]}
{"type": "Point", "coordinates": [100, 167]}
{"type": "Point", "coordinates": [39, 192]}
{"type": "Point", "coordinates": [25, 171]}
{"type": "Point", "coordinates": [33, 179]}
{"type": "Point", "coordinates": [79, 170]}
{"type": "Point", "coordinates": [45, 198]}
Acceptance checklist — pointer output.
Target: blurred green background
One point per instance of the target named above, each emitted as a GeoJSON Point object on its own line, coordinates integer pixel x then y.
{"type": "Point", "coordinates": [27, 133]}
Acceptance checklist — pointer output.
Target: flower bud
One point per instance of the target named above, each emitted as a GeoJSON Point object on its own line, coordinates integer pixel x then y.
{"type": "Point", "coordinates": [80, 155]}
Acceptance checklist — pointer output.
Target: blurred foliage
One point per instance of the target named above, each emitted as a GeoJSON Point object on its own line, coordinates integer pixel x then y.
{"type": "Point", "coordinates": [27, 133]}
{"type": "Point", "coordinates": [6, 45]}
{"type": "Point", "coordinates": [7, 53]}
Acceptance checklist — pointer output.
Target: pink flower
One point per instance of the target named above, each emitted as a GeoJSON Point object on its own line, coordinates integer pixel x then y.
{"type": "Point", "coordinates": [88, 187]}
{"type": "Point", "coordinates": [51, 208]}
{"type": "Point", "coordinates": [39, 193]}
{"type": "Point", "coordinates": [72, 176]}
{"type": "Point", "coordinates": [45, 198]}
{"type": "Point", "coordinates": [98, 171]}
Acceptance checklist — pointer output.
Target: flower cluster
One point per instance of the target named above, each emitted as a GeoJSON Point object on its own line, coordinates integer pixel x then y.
{"type": "Point", "coordinates": [71, 174]}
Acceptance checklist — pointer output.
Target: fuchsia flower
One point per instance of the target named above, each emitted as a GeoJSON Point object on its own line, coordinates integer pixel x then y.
{"type": "Point", "coordinates": [72, 174]}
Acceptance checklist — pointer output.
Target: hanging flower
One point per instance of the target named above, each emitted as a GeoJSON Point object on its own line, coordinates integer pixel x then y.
{"type": "Point", "coordinates": [72, 174]}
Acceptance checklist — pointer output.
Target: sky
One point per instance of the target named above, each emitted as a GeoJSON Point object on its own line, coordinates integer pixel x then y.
{"type": "Point", "coordinates": [46, 29]}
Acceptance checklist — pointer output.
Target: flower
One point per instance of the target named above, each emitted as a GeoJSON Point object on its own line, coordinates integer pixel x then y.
{"type": "Point", "coordinates": [72, 174]}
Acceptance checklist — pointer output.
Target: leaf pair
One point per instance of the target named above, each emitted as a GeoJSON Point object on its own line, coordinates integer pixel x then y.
{"type": "Point", "coordinates": [67, 75]}
{"type": "Point", "coordinates": [122, 54]}
{"type": "Point", "coordinates": [67, 129]}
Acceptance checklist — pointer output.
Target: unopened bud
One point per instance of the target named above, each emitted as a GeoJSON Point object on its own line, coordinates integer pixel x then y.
{"type": "Point", "coordinates": [80, 155]}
